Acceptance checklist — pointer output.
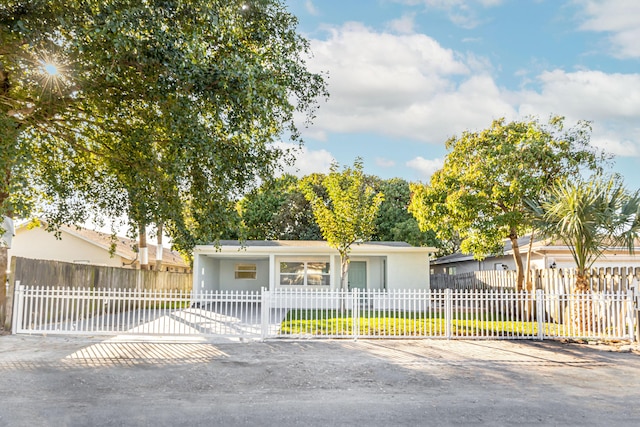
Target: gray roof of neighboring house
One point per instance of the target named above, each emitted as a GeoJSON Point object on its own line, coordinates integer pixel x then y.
{"type": "Point", "coordinates": [460, 257]}
{"type": "Point", "coordinates": [539, 244]}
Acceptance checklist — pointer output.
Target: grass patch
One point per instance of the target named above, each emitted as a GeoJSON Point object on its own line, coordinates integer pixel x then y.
{"type": "Point", "coordinates": [404, 323]}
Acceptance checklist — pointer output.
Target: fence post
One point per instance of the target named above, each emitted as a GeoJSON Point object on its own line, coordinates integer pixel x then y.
{"type": "Point", "coordinates": [355, 313]}
{"type": "Point", "coordinates": [540, 313]}
{"type": "Point", "coordinates": [637, 313]}
{"type": "Point", "coordinates": [448, 309]}
{"type": "Point", "coordinates": [18, 306]}
{"type": "Point", "coordinates": [631, 315]}
{"type": "Point", "coordinates": [265, 311]}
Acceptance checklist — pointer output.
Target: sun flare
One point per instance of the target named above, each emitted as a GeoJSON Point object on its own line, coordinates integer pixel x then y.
{"type": "Point", "coordinates": [50, 69]}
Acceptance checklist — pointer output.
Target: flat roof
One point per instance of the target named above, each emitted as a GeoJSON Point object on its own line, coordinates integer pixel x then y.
{"type": "Point", "coordinates": [305, 246]}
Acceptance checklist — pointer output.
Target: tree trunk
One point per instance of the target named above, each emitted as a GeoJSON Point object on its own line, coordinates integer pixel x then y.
{"type": "Point", "coordinates": [344, 272]}
{"type": "Point", "coordinates": [582, 314]}
{"type": "Point", "coordinates": [529, 280]}
{"type": "Point", "coordinates": [518, 260]}
{"type": "Point", "coordinates": [344, 279]}
{"type": "Point", "coordinates": [159, 249]}
{"type": "Point", "coordinates": [4, 259]}
{"type": "Point", "coordinates": [4, 266]}
{"type": "Point", "coordinates": [142, 247]}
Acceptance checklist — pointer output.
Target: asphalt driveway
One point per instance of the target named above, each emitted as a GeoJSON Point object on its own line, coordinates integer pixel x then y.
{"type": "Point", "coordinates": [58, 381]}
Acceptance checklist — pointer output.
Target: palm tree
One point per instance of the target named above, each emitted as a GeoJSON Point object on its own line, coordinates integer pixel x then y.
{"type": "Point", "coordinates": [588, 216]}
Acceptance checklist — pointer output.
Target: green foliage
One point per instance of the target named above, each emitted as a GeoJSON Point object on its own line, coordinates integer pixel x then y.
{"type": "Point", "coordinates": [347, 214]}
{"type": "Point", "coordinates": [480, 191]}
{"type": "Point", "coordinates": [588, 216]}
{"type": "Point", "coordinates": [394, 222]}
{"type": "Point", "coordinates": [278, 210]}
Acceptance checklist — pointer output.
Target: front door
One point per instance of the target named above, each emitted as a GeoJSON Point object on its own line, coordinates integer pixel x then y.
{"type": "Point", "coordinates": [357, 275]}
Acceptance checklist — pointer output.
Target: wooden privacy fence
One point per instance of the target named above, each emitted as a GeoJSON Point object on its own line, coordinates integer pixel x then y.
{"type": "Point", "coordinates": [550, 280]}
{"type": "Point", "coordinates": [490, 279]}
{"type": "Point", "coordinates": [34, 272]}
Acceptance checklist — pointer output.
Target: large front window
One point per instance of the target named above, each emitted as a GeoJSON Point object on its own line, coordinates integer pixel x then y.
{"type": "Point", "coordinates": [304, 273]}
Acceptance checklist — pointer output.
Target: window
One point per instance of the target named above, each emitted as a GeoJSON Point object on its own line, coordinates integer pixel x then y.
{"type": "Point", "coordinates": [246, 271]}
{"type": "Point", "coordinates": [451, 270]}
{"type": "Point", "coordinates": [304, 273]}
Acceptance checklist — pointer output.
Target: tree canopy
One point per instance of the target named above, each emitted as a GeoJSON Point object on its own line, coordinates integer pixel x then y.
{"type": "Point", "coordinates": [155, 102]}
{"type": "Point", "coordinates": [394, 222]}
{"type": "Point", "coordinates": [481, 191]}
{"type": "Point", "coordinates": [278, 210]}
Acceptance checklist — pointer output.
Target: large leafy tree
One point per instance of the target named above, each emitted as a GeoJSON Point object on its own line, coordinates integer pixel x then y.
{"type": "Point", "coordinates": [588, 216]}
{"type": "Point", "coordinates": [487, 176]}
{"type": "Point", "coordinates": [151, 103]}
{"type": "Point", "coordinates": [278, 210]}
{"type": "Point", "coordinates": [394, 222]}
{"type": "Point", "coordinates": [347, 215]}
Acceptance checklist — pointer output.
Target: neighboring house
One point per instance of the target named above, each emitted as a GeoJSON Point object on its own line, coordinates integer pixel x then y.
{"type": "Point", "coordinates": [544, 254]}
{"type": "Point", "coordinates": [288, 264]}
{"type": "Point", "coordinates": [84, 246]}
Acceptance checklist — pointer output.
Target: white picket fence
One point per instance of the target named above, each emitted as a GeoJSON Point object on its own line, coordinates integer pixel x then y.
{"type": "Point", "coordinates": [450, 314]}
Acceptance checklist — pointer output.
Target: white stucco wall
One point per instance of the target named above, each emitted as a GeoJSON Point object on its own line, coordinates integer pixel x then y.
{"type": "Point", "coordinates": [206, 273]}
{"type": "Point", "coordinates": [228, 282]}
{"type": "Point", "coordinates": [37, 243]}
{"type": "Point", "coordinates": [408, 271]}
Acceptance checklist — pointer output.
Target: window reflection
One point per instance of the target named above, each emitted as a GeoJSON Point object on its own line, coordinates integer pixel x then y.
{"type": "Point", "coordinates": [310, 273]}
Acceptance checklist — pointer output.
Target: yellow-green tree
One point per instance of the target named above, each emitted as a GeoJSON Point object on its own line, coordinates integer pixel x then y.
{"type": "Point", "coordinates": [347, 214]}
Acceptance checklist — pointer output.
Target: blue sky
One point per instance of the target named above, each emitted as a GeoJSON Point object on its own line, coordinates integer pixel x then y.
{"type": "Point", "coordinates": [405, 75]}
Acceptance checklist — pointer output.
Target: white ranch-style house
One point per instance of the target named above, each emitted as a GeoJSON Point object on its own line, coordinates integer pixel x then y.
{"type": "Point", "coordinates": [288, 265]}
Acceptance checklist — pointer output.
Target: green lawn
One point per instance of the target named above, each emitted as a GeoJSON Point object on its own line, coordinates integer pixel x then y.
{"type": "Point", "coordinates": [402, 323]}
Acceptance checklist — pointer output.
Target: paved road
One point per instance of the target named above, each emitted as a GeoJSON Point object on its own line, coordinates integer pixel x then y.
{"type": "Point", "coordinates": [58, 381]}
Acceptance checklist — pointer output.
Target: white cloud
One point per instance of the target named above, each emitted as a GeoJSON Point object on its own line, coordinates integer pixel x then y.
{"type": "Point", "coordinates": [311, 8]}
{"type": "Point", "coordinates": [610, 101]}
{"type": "Point", "coordinates": [425, 167]}
{"type": "Point", "coordinates": [619, 18]}
{"type": "Point", "coordinates": [401, 85]}
{"type": "Point", "coordinates": [410, 87]}
{"type": "Point", "coordinates": [588, 94]}
{"type": "Point", "coordinates": [307, 161]}
{"type": "Point", "coordinates": [460, 12]}
{"type": "Point", "coordinates": [403, 25]}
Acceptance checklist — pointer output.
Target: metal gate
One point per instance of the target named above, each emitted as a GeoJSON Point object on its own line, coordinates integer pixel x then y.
{"type": "Point", "coordinates": [41, 310]}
